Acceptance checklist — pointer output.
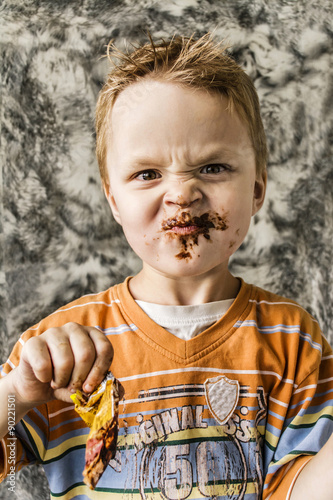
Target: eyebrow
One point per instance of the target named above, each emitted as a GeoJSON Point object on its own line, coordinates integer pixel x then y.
{"type": "Point", "coordinates": [144, 162]}
{"type": "Point", "coordinates": [218, 155]}
{"type": "Point", "coordinates": [147, 161]}
{"type": "Point", "coordinates": [214, 157]}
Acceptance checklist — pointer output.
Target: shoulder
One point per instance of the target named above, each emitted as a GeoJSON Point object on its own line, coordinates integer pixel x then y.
{"type": "Point", "coordinates": [277, 306]}
{"type": "Point", "coordinates": [286, 326]}
{"type": "Point", "coordinates": [277, 313]}
{"type": "Point", "coordinates": [87, 310]}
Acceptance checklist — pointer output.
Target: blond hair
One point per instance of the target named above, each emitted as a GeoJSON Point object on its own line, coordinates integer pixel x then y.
{"type": "Point", "coordinates": [200, 63]}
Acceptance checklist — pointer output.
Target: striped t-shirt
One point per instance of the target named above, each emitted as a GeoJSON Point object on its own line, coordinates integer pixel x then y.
{"type": "Point", "coordinates": [234, 412]}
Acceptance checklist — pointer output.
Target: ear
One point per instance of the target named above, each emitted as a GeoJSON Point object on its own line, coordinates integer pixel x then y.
{"type": "Point", "coordinates": [259, 191]}
{"type": "Point", "coordinates": [112, 202]}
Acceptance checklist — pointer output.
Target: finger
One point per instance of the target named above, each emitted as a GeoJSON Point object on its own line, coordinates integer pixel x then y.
{"type": "Point", "coordinates": [63, 395]}
{"type": "Point", "coordinates": [36, 360]}
{"type": "Point", "coordinates": [61, 356]}
{"type": "Point", "coordinates": [104, 355]}
{"type": "Point", "coordinates": [84, 353]}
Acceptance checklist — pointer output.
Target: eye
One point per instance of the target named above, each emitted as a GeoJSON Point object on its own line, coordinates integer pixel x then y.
{"type": "Point", "coordinates": [148, 175]}
{"type": "Point", "coordinates": [215, 168]}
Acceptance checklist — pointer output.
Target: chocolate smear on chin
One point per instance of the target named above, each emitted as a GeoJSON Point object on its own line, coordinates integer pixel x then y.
{"type": "Point", "coordinates": [204, 222]}
{"type": "Point", "coordinates": [183, 255]}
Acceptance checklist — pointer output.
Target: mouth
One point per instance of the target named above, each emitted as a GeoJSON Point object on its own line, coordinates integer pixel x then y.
{"type": "Point", "coordinates": [187, 228]}
{"type": "Point", "coordinates": [185, 223]}
{"type": "Point", "coordinates": [184, 229]}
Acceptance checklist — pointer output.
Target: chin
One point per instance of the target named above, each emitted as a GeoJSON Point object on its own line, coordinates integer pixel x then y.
{"type": "Point", "coordinates": [185, 267]}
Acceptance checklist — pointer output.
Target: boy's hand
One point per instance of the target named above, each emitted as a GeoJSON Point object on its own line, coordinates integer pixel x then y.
{"type": "Point", "coordinates": [59, 361]}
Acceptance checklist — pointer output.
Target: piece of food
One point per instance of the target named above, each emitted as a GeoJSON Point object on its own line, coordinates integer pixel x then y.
{"type": "Point", "coordinates": [100, 412]}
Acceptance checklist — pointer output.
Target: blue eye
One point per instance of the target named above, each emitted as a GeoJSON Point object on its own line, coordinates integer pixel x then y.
{"type": "Point", "coordinates": [148, 175]}
{"type": "Point", "coordinates": [214, 168]}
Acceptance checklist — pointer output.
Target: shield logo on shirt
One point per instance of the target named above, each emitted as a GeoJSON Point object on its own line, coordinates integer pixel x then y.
{"type": "Point", "coordinates": [222, 397]}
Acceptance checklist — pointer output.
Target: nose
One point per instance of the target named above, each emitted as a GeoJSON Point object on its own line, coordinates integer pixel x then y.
{"type": "Point", "coordinates": [182, 194]}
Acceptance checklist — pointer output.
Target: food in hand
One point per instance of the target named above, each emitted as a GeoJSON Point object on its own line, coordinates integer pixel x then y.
{"type": "Point", "coordinates": [100, 412]}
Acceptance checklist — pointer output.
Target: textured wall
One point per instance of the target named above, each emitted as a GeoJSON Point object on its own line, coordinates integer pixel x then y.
{"type": "Point", "coordinates": [58, 240]}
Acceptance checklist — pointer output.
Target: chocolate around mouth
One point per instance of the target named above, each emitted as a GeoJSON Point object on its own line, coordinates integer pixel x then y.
{"type": "Point", "coordinates": [203, 223]}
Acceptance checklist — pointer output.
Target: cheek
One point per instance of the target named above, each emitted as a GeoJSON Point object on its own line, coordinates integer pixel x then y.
{"type": "Point", "coordinates": [135, 225]}
{"type": "Point", "coordinates": [237, 208]}
{"type": "Point", "coordinates": [238, 221]}
{"type": "Point", "coordinates": [128, 211]}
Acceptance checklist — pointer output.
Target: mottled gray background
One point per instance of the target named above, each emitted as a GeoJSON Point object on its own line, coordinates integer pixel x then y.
{"type": "Point", "coordinates": [58, 240]}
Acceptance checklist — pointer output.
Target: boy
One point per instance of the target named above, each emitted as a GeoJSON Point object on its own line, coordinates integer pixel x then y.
{"type": "Point", "coordinates": [227, 386]}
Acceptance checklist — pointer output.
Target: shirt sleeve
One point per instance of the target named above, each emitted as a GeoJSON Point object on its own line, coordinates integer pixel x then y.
{"type": "Point", "coordinates": [307, 421]}
{"type": "Point", "coordinates": [32, 433]}
{"type": "Point", "coordinates": [15, 453]}
{"type": "Point", "coordinates": [16, 448]}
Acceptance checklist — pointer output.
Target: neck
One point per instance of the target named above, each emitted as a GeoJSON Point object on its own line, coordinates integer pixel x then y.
{"type": "Point", "coordinates": [151, 286]}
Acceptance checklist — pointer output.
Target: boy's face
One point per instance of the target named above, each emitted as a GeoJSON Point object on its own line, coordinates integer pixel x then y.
{"type": "Point", "coordinates": [183, 181]}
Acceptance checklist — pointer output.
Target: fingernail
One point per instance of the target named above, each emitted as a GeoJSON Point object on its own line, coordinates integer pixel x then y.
{"type": "Point", "coordinates": [88, 388]}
